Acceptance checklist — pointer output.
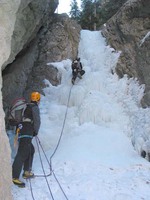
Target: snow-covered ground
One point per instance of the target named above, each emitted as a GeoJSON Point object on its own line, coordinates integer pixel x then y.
{"type": "Point", "coordinates": [95, 159]}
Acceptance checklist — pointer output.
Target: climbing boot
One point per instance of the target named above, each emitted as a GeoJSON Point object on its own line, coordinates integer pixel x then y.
{"type": "Point", "coordinates": [79, 76]}
{"type": "Point", "coordinates": [27, 174]}
{"type": "Point", "coordinates": [72, 80]}
{"type": "Point", "coordinates": [19, 183]}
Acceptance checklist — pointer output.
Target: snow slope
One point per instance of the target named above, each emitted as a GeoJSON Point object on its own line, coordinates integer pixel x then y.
{"type": "Point", "coordinates": [95, 159]}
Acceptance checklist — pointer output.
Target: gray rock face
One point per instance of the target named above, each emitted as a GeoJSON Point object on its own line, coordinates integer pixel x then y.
{"type": "Point", "coordinates": [7, 21]}
{"type": "Point", "coordinates": [56, 40]}
{"type": "Point", "coordinates": [125, 31]}
{"type": "Point", "coordinates": [30, 16]}
{"type": "Point", "coordinates": [19, 24]}
{"type": "Point", "coordinates": [60, 40]}
{"type": "Point", "coordinates": [36, 41]}
{"type": "Point", "coordinates": [16, 74]}
{"type": "Point", "coordinates": [108, 8]}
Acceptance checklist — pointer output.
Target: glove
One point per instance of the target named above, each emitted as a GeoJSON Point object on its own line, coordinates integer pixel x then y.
{"type": "Point", "coordinates": [143, 154]}
{"type": "Point", "coordinates": [34, 133]}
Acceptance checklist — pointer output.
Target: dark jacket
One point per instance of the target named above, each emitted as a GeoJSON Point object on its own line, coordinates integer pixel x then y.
{"type": "Point", "coordinates": [76, 66]}
{"type": "Point", "coordinates": [31, 121]}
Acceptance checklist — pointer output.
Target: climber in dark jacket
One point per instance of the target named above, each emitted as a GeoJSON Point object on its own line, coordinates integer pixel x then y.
{"type": "Point", "coordinates": [77, 70]}
{"type": "Point", "coordinates": [26, 130]}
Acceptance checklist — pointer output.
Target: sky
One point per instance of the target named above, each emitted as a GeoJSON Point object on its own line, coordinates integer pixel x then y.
{"type": "Point", "coordinates": [92, 132]}
{"type": "Point", "coordinates": [64, 6]}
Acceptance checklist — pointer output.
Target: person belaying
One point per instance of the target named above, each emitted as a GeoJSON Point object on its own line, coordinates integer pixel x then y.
{"type": "Point", "coordinates": [26, 130]}
{"type": "Point", "coordinates": [77, 70]}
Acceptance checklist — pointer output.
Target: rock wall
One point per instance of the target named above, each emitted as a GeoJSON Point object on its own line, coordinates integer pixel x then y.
{"type": "Point", "coordinates": [56, 40]}
{"type": "Point", "coordinates": [7, 23]}
{"type": "Point", "coordinates": [19, 23]}
{"type": "Point", "coordinates": [30, 16]}
{"type": "Point", "coordinates": [128, 31]}
{"type": "Point", "coordinates": [107, 9]}
{"type": "Point", "coordinates": [31, 35]}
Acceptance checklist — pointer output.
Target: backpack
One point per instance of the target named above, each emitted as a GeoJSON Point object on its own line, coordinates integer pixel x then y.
{"type": "Point", "coordinates": [16, 111]}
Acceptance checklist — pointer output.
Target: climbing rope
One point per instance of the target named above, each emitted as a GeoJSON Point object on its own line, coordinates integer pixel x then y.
{"type": "Point", "coordinates": [44, 171]}
{"type": "Point", "coordinates": [45, 157]}
{"type": "Point", "coordinates": [50, 162]}
{"type": "Point", "coordinates": [62, 129]}
{"type": "Point", "coordinates": [60, 185]}
{"type": "Point", "coordinates": [52, 172]}
{"type": "Point", "coordinates": [31, 189]}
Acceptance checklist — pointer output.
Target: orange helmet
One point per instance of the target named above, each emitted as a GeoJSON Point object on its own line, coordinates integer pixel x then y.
{"type": "Point", "coordinates": [35, 96]}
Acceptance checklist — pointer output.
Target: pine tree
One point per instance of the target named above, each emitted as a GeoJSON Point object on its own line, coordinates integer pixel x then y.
{"type": "Point", "coordinates": [87, 14]}
{"type": "Point", "coordinates": [75, 12]}
{"type": "Point", "coordinates": [94, 13]}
